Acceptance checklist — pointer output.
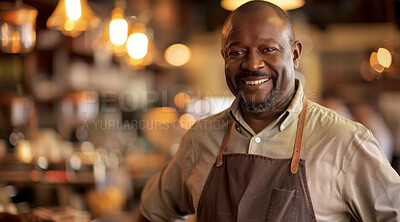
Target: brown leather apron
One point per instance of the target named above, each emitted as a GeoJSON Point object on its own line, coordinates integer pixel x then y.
{"type": "Point", "coordinates": [245, 187]}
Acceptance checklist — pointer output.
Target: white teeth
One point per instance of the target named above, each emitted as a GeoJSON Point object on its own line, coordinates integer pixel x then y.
{"type": "Point", "coordinates": [256, 82]}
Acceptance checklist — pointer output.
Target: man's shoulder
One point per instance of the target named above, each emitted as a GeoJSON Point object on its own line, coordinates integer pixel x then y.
{"type": "Point", "coordinates": [326, 120]}
{"type": "Point", "coordinates": [334, 136]}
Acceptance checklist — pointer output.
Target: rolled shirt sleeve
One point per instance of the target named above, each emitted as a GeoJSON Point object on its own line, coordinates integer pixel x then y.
{"type": "Point", "coordinates": [166, 195]}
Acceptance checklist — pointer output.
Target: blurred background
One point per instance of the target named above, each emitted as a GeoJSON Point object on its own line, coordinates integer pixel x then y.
{"type": "Point", "coordinates": [95, 94]}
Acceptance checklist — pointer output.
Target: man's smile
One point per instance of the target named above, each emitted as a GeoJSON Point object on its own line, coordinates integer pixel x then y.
{"type": "Point", "coordinates": [255, 82]}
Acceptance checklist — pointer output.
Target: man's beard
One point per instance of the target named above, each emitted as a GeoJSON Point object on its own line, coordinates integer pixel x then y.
{"type": "Point", "coordinates": [266, 103]}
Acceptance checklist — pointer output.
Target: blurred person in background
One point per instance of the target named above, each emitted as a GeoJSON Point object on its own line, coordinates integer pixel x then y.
{"type": "Point", "coordinates": [366, 115]}
{"type": "Point", "coordinates": [337, 105]}
{"type": "Point", "coordinates": [273, 155]}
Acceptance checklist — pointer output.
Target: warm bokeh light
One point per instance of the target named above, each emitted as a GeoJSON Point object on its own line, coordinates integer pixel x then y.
{"type": "Point", "coordinates": [75, 162]}
{"type": "Point", "coordinates": [161, 115]}
{"type": "Point", "coordinates": [54, 176]}
{"type": "Point", "coordinates": [182, 100]}
{"type": "Point", "coordinates": [24, 151]}
{"type": "Point", "coordinates": [187, 120]}
{"type": "Point", "coordinates": [118, 31]}
{"type": "Point", "coordinates": [137, 45]}
{"type": "Point", "coordinates": [231, 5]}
{"type": "Point", "coordinates": [140, 63]}
{"type": "Point", "coordinates": [42, 162]}
{"type": "Point", "coordinates": [373, 61]}
{"type": "Point", "coordinates": [288, 4]}
{"type": "Point", "coordinates": [384, 57]}
{"type": "Point", "coordinates": [74, 10]}
{"type": "Point", "coordinates": [16, 45]}
{"type": "Point", "coordinates": [177, 54]}
{"type": "Point", "coordinates": [35, 176]}
{"type": "Point", "coordinates": [4, 32]}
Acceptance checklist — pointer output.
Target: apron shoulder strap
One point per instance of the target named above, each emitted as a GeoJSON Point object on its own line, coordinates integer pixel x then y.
{"type": "Point", "coordinates": [223, 145]}
{"type": "Point", "coordinates": [294, 165]}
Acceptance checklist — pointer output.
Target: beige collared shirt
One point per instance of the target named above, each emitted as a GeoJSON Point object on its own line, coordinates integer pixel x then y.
{"type": "Point", "coordinates": [348, 175]}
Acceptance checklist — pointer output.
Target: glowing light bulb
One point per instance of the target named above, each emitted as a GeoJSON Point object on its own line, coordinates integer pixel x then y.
{"type": "Point", "coordinates": [73, 8]}
{"type": "Point", "coordinates": [177, 54]}
{"type": "Point", "coordinates": [384, 57]}
{"type": "Point", "coordinates": [182, 100]}
{"type": "Point", "coordinates": [118, 31]}
{"type": "Point", "coordinates": [373, 60]}
{"type": "Point", "coordinates": [137, 45]}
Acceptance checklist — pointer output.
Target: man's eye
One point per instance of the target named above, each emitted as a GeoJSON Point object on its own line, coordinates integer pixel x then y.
{"type": "Point", "coordinates": [236, 53]}
{"type": "Point", "coordinates": [269, 49]}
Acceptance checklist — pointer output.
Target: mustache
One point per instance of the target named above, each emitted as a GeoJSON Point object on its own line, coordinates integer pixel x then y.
{"type": "Point", "coordinates": [257, 73]}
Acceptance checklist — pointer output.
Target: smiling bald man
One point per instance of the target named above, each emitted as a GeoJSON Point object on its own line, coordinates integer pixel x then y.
{"type": "Point", "coordinates": [273, 155]}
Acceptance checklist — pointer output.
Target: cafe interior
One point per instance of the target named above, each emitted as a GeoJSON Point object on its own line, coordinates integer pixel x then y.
{"type": "Point", "coordinates": [96, 94]}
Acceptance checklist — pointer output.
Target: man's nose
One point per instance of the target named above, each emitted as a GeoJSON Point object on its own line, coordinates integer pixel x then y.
{"type": "Point", "coordinates": [253, 62]}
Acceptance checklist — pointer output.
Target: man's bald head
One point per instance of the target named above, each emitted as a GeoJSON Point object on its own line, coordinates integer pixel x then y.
{"type": "Point", "coordinates": [252, 7]}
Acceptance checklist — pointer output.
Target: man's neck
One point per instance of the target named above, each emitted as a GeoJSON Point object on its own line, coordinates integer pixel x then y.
{"type": "Point", "coordinates": [258, 121]}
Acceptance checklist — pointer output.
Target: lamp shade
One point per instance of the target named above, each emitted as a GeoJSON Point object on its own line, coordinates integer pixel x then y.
{"type": "Point", "coordinates": [284, 4]}
{"type": "Point", "coordinates": [17, 27]}
{"type": "Point", "coordinates": [72, 17]}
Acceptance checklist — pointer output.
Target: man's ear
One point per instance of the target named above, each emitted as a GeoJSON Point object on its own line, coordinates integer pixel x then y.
{"type": "Point", "coordinates": [296, 50]}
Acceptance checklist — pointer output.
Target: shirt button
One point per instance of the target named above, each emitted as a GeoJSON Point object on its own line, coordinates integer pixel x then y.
{"type": "Point", "coordinates": [258, 140]}
{"type": "Point", "coordinates": [238, 128]}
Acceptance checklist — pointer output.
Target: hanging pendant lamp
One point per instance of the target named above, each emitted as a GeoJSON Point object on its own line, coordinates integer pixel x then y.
{"type": "Point", "coordinates": [139, 47]}
{"type": "Point", "coordinates": [231, 5]}
{"type": "Point", "coordinates": [17, 27]}
{"type": "Point", "coordinates": [72, 17]}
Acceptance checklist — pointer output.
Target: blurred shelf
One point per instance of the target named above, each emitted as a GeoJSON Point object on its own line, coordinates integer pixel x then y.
{"type": "Point", "coordinates": [83, 178]}
{"type": "Point", "coordinates": [12, 171]}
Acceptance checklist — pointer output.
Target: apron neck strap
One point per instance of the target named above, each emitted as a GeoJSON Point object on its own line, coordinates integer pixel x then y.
{"type": "Point", "coordinates": [294, 165]}
{"type": "Point", "coordinates": [297, 147]}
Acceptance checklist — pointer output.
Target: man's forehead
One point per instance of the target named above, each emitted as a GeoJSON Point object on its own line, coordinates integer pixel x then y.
{"type": "Point", "coordinates": [265, 17]}
{"type": "Point", "coordinates": [249, 22]}
{"type": "Point", "coordinates": [253, 18]}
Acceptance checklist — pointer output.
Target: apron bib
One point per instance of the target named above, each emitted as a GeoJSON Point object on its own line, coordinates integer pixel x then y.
{"type": "Point", "coordinates": [245, 187]}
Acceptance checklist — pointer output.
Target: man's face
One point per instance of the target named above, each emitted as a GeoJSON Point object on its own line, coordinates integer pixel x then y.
{"type": "Point", "coordinates": [260, 61]}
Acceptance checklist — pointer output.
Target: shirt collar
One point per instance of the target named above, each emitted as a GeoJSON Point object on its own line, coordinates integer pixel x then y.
{"type": "Point", "coordinates": [285, 119]}
{"type": "Point", "coordinates": [294, 108]}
